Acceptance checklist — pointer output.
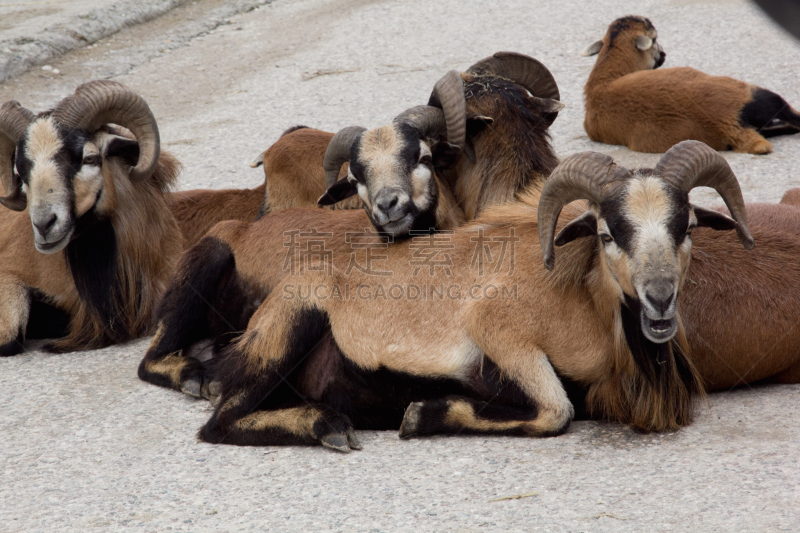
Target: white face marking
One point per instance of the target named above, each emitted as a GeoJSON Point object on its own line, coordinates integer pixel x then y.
{"type": "Point", "coordinates": [651, 267]}
{"type": "Point", "coordinates": [655, 264]}
{"type": "Point", "coordinates": [88, 181]}
{"type": "Point", "coordinates": [648, 208]}
{"type": "Point", "coordinates": [392, 192]}
{"type": "Point", "coordinates": [421, 180]}
{"type": "Point", "coordinates": [363, 192]}
{"type": "Point", "coordinates": [48, 194]}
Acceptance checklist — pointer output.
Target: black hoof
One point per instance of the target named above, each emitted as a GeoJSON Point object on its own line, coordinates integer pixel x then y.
{"type": "Point", "coordinates": [411, 420]}
{"type": "Point", "coordinates": [336, 432]}
{"type": "Point", "coordinates": [192, 387]}
{"type": "Point", "coordinates": [211, 391]}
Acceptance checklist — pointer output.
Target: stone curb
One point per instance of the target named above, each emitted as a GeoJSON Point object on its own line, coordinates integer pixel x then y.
{"type": "Point", "coordinates": [20, 54]}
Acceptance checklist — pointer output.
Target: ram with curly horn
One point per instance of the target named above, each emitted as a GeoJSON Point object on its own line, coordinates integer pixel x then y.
{"type": "Point", "coordinates": [87, 235]}
{"type": "Point", "coordinates": [399, 172]}
{"type": "Point", "coordinates": [470, 359]}
{"type": "Point", "coordinates": [498, 111]}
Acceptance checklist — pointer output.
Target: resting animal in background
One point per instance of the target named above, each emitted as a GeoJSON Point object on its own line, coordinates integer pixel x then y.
{"type": "Point", "coordinates": [84, 233]}
{"type": "Point", "coordinates": [741, 308]}
{"type": "Point", "coordinates": [221, 281]}
{"type": "Point", "coordinates": [396, 166]}
{"type": "Point", "coordinates": [196, 211]}
{"type": "Point", "coordinates": [499, 122]}
{"type": "Point", "coordinates": [629, 103]}
{"type": "Point", "coordinates": [604, 316]}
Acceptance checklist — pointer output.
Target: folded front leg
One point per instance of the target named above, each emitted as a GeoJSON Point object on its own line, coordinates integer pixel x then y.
{"type": "Point", "coordinates": [14, 312]}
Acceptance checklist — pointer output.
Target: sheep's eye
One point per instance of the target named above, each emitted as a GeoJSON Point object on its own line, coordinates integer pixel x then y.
{"type": "Point", "coordinates": [91, 160]}
{"type": "Point", "coordinates": [426, 160]}
{"type": "Point", "coordinates": [606, 238]}
{"type": "Point", "coordinates": [689, 230]}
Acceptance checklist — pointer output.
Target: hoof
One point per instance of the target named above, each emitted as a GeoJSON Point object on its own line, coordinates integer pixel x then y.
{"type": "Point", "coordinates": [192, 387]}
{"type": "Point", "coordinates": [352, 440]}
{"type": "Point", "coordinates": [336, 441]}
{"type": "Point", "coordinates": [196, 382]}
{"type": "Point", "coordinates": [336, 432]}
{"type": "Point", "coordinates": [211, 391]}
{"type": "Point", "coordinates": [411, 419]}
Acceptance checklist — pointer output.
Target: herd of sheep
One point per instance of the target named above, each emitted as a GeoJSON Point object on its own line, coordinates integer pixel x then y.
{"type": "Point", "coordinates": [418, 298]}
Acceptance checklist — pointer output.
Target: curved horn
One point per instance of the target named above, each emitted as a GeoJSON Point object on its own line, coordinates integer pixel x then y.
{"type": "Point", "coordinates": [338, 152]}
{"type": "Point", "coordinates": [522, 69]}
{"type": "Point", "coordinates": [14, 121]}
{"type": "Point", "coordinates": [101, 102]}
{"type": "Point", "coordinates": [582, 176]}
{"type": "Point", "coordinates": [691, 164]}
{"type": "Point", "coordinates": [428, 119]}
{"type": "Point", "coordinates": [449, 92]}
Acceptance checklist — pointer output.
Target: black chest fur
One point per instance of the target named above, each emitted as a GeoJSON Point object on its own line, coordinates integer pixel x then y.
{"type": "Point", "coordinates": [92, 261]}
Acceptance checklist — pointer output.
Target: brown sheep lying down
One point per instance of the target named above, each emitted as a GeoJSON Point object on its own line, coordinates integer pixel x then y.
{"type": "Point", "coordinates": [647, 110]}
{"type": "Point", "coordinates": [86, 231]}
{"type": "Point", "coordinates": [507, 126]}
{"type": "Point", "coordinates": [481, 344]}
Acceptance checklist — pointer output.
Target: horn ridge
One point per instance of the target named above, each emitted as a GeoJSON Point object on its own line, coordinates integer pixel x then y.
{"type": "Point", "coordinates": [100, 102]}
{"type": "Point", "coordinates": [522, 69]}
{"type": "Point", "coordinates": [14, 122]}
{"type": "Point", "coordinates": [581, 176]}
{"type": "Point", "coordinates": [691, 164]}
{"type": "Point", "coordinates": [338, 152]}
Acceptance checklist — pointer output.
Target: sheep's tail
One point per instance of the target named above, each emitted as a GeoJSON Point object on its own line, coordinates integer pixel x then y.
{"type": "Point", "coordinates": [791, 117]}
{"type": "Point", "coordinates": [259, 160]}
{"type": "Point", "coordinates": [769, 114]}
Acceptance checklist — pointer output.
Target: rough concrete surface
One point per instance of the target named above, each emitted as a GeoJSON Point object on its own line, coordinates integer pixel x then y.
{"type": "Point", "coordinates": [86, 446]}
{"type": "Point", "coordinates": [34, 31]}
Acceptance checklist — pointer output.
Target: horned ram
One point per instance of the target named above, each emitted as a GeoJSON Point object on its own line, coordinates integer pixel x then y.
{"type": "Point", "coordinates": [314, 365]}
{"type": "Point", "coordinates": [87, 234]}
{"type": "Point", "coordinates": [109, 238]}
{"type": "Point", "coordinates": [222, 280]}
{"type": "Point", "coordinates": [498, 109]}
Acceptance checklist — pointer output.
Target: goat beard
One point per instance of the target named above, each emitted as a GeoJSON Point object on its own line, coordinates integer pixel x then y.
{"type": "Point", "coordinates": [651, 386]}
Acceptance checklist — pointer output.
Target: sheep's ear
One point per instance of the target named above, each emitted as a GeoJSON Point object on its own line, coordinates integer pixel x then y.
{"type": "Point", "coordinates": [476, 124]}
{"type": "Point", "coordinates": [445, 155]}
{"type": "Point", "coordinates": [583, 226]}
{"type": "Point", "coordinates": [643, 42]}
{"type": "Point", "coordinates": [706, 218]}
{"type": "Point", "coordinates": [116, 146]}
{"type": "Point", "coordinates": [341, 190]}
{"type": "Point", "coordinates": [554, 106]}
{"type": "Point", "coordinates": [592, 49]}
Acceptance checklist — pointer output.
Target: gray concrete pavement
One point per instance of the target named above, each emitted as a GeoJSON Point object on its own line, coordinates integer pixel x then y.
{"type": "Point", "coordinates": [86, 446]}
{"type": "Point", "coordinates": [35, 31]}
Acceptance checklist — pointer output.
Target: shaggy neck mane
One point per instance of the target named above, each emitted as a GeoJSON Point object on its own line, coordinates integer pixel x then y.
{"type": "Point", "coordinates": [648, 385]}
{"type": "Point", "coordinates": [121, 260]}
{"type": "Point", "coordinates": [511, 153]}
